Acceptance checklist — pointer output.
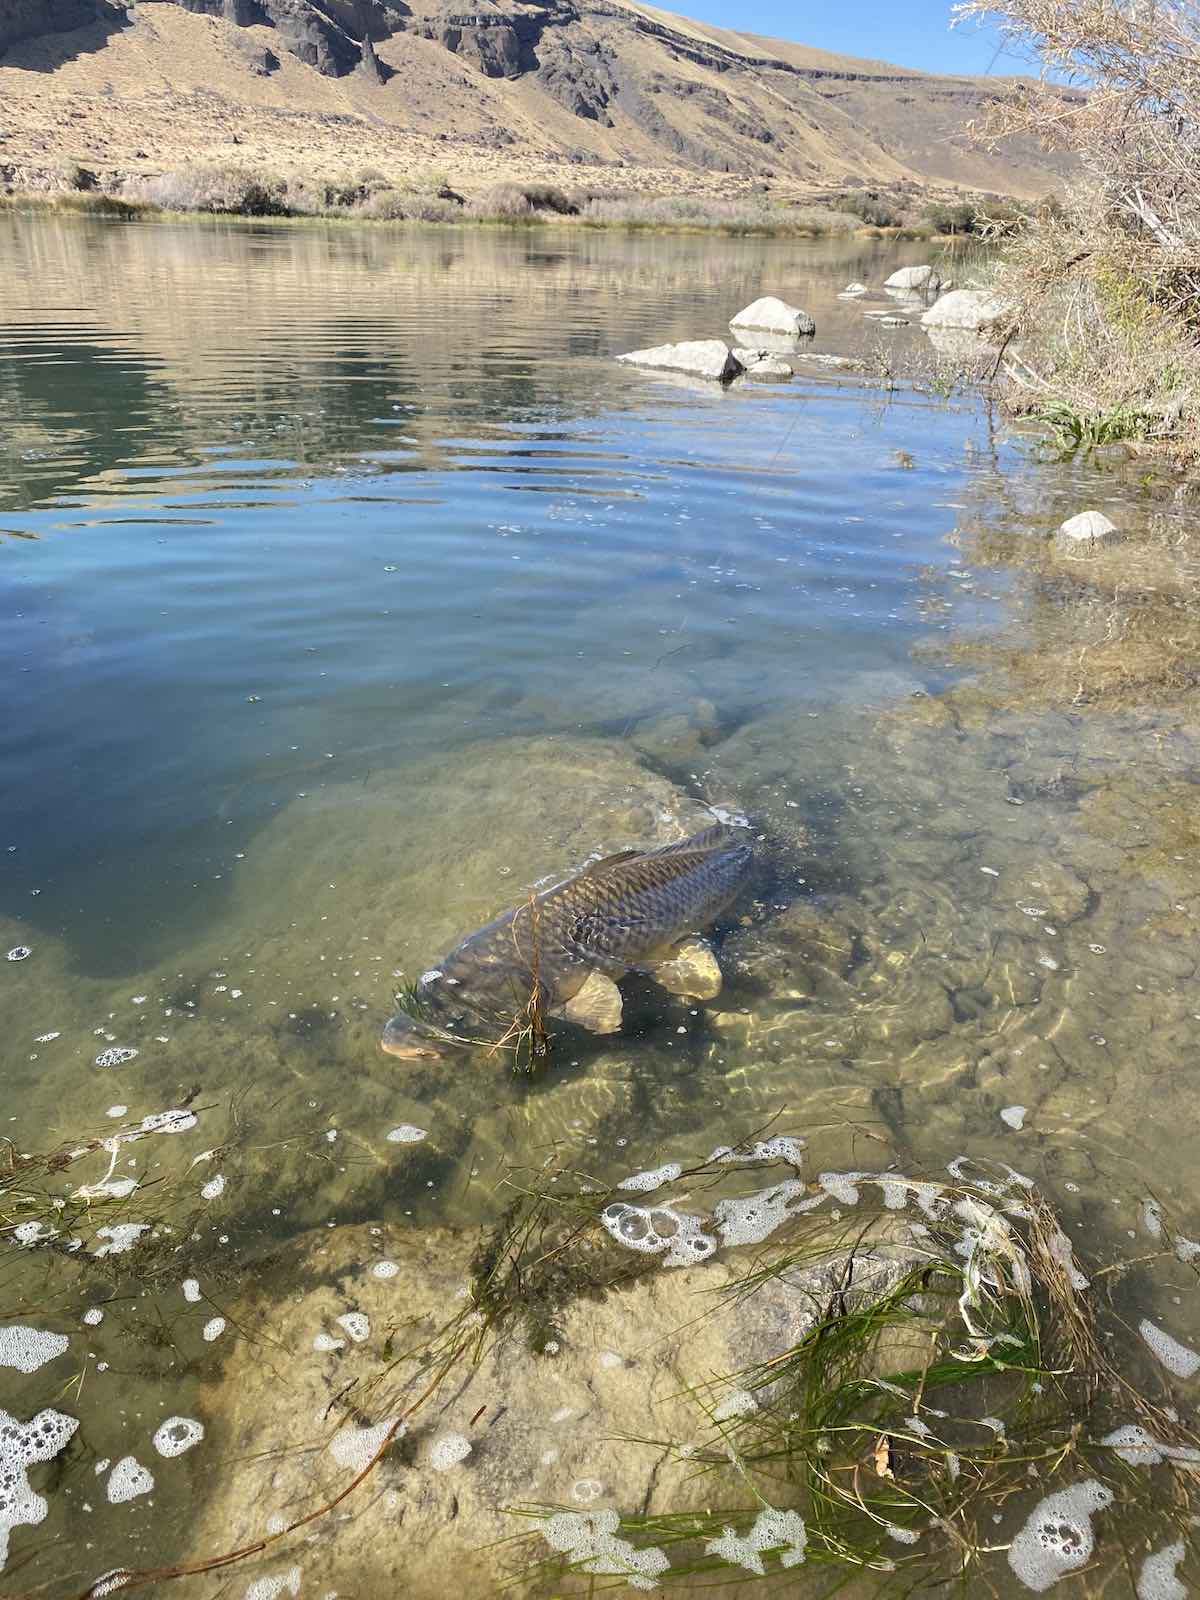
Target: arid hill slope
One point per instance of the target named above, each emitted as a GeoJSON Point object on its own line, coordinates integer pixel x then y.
{"type": "Point", "coordinates": [606, 92]}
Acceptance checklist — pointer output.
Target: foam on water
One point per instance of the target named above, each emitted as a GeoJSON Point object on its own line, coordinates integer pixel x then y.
{"type": "Point", "coordinates": [129, 1480]}
{"type": "Point", "coordinates": [384, 1269]}
{"type": "Point", "coordinates": [773, 1530]}
{"type": "Point", "coordinates": [659, 1230]}
{"type": "Point", "coordinates": [121, 1236]}
{"type": "Point", "coordinates": [407, 1134]}
{"type": "Point", "coordinates": [93, 1316]}
{"type": "Point", "coordinates": [212, 1329]}
{"type": "Point", "coordinates": [590, 1541]}
{"type": "Point", "coordinates": [325, 1343]}
{"type": "Point", "coordinates": [1178, 1358]}
{"type": "Point", "coordinates": [842, 1186]}
{"type": "Point", "coordinates": [27, 1349]}
{"type": "Point", "coordinates": [737, 1403]}
{"type": "Point", "coordinates": [355, 1448]}
{"type": "Point", "coordinates": [1157, 1579]}
{"type": "Point", "coordinates": [178, 1434]}
{"type": "Point", "coordinates": [357, 1325]}
{"type": "Point", "coordinates": [1138, 1448]}
{"type": "Point", "coordinates": [646, 1182]}
{"type": "Point", "coordinates": [213, 1189]}
{"type": "Point", "coordinates": [1057, 1538]}
{"type": "Point", "coordinates": [117, 1056]}
{"type": "Point", "coordinates": [448, 1450]}
{"type": "Point", "coordinates": [191, 1291]}
{"type": "Point", "coordinates": [21, 1445]}
{"type": "Point", "coordinates": [783, 1147]}
{"type": "Point", "coordinates": [755, 1217]}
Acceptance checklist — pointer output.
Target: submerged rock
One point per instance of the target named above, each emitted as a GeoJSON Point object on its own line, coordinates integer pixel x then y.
{"type": "Point", "coordinates": [1087, 529]}
{"type": "Point", "coordinates": [965, 308]}
{"type": "Point", "coordinates": [556, 1426]}
{"type": "Point", "coordinates": [697, 358]}
{"type": "Point", "coordinates": [773, 315]}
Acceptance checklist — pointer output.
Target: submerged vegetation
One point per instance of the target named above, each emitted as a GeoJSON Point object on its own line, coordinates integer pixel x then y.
{"type": "Point", "coordinates": [1105, 289]}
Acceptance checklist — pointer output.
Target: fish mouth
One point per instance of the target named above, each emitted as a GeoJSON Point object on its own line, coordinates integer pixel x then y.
{"type": "Point", "coordinates": [401, 1037]}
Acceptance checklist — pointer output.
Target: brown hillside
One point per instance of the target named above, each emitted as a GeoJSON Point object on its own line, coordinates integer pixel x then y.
{"type": "Point", "coordinates": [607, 93]}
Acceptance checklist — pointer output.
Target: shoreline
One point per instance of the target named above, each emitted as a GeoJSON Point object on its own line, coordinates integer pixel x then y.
{"type": "Point", "coordinates": [114, 207]}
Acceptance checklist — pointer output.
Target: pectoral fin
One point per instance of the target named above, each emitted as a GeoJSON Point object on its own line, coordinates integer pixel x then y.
{"type": "Point", "coordinates": [692, 971]}
{"type": "Point", "coordinates": [596, 1007]}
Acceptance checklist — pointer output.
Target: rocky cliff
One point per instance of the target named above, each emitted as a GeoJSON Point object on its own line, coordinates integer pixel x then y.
{"type": "Point", "coordinates": [606, 83]}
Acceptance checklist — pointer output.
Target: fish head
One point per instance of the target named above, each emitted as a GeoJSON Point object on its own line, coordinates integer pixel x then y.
{"type": "Point", "coordinates": [411, 1040]}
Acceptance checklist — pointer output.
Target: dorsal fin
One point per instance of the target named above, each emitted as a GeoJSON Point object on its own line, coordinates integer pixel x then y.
{"type": "Point", "coordinates": [594, 868]}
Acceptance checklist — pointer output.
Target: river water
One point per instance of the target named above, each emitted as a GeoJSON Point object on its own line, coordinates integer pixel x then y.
{"type": "Point", "coordinates": [348, 587]}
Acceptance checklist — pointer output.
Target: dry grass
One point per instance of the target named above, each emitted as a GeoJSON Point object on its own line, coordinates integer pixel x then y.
{"type": "Point", "coordinates": [1106, 289]}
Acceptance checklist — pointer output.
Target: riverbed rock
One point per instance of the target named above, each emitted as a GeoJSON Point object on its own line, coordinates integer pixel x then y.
{"type": "Point", "coordinates": [697, 358]}
{"type": "Point", "coordinates": [333, 1348]}
{"type": "Point", "coordinates": [965, 308]}
{"type": "Point", "coordinates": [917, 280]}
{"type": "Point", "coordinates": [1086, 529]}
{"type": "Point", "coordinates": [773, 315]}
{"type": "Point", "coordinates": [769, 369]}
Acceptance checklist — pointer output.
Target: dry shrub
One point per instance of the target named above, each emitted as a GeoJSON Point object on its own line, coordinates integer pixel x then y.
{"type": "Point", "coordinates": [407, 205]}
{"type": "Point", "coordinates": [1106, 287]}
{"type": "Point", "coordinates": [705, 211]}
{"type": "Point", "coordinates": [231, 191]}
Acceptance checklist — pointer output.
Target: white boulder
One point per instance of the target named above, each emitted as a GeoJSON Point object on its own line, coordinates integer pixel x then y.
{"type": "Point", "coordinates": [775, 316]}
{"type": "Point", "coordinates": [699, 358]}
{"type": "Point", "coordinates": [763, 366]}
{"type": "Point", "coordinates": [965, 308]}
{"type": "Point", "coordinates": [1087, 529]}
{"type": "Point", "coordinates": [917, 280]}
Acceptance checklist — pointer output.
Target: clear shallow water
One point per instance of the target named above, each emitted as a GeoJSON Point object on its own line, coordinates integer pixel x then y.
{"type": "Point", "coordinates": [348, 587]}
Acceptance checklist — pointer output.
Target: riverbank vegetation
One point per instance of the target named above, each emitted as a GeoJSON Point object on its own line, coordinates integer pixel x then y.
{"type": "Point", "coordinates": [370, 195]}
{"type": "Point", "coordinates": [1105, 288]}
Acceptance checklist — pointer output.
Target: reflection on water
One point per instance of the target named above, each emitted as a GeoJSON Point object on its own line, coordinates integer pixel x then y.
{"type": "Point", "coordinates": [349, 588]}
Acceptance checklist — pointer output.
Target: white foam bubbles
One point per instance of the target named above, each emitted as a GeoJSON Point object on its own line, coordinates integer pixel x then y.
{"type": "Point", "coordinates": [191, 1291]}
{"type": "Point", "coordinates": [129, 1480]}
{"type": "Point", "coordinates": [407, 1134]}
{"type": "Point", "coordinates": [28, 1349]}
{"type": "Point", "coordinates": [1178, 1358]}
{"type": "Point", "coordinates": [1157, 1579]}
{"type": "Point", "coordinates": [1057, 1538]}
{"type": "Point", "coordinates": [755, 1217]}
{"type": "Point", "coordinates": [773, 1530]}
{"type": "Point", "coordinates": [213, 1329]}
{"type": "Point", "coordinates": [589, 1539]}
{"type": "Point", "coordinates": [1133, 1445]}
{"type": "Point", "coordinates": [355, 1448]}
{"type": "Point", "coordinates": [737, 1403]}
{"type": "Point", "coordinates": [214, 1188]}
{"type": "Point", "coordinates": [1014, 1117]}
{"type": "Point", "coordinates": [22, 1444]}
{"type": "Point", "coordinates": [93, 1316]}
{"type": "Point", "coordinates": [19, 952]}
{"type": "Point", "coordinates": [357, 1325]}
{"type": "Point", "coordinates": [658, 1230]}
{"type": "Point", "coordinates": [447, 1450]}
{"type": "Point", "coordinates": [116, 1056]}
{"type": "Point", "coordinates": [647, 1182]}
{"type": "Point", "coordinates": [325, 1344]}
{"type": "Point", "coordinates": [121, 1236]}
{"type": "Point", "coordinates": [385, 1269]}
{"type": "Point", "coordinates": [178, 1434]}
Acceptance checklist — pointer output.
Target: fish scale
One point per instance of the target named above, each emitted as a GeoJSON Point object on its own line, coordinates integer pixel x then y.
{"type": "Point", "coordinates": [622, 914]}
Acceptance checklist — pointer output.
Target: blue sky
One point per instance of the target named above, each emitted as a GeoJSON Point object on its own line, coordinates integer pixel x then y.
{"type": "Point", "coordinates": [914, 34]}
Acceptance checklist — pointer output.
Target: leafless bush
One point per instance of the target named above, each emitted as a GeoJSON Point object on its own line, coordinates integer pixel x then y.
{"type": "Point", "coordinates": [228, 190]}
{"type": "Point", "coordinates": [1106, 288]}
{"type": "Point", "coordinates": [700, 211]}
{"type": "Point", "coordinates": [407, 205]}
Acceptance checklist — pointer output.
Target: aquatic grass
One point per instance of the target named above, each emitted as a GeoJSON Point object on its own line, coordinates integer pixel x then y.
{"type": "Point", "coordinates": [876, 1443]}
